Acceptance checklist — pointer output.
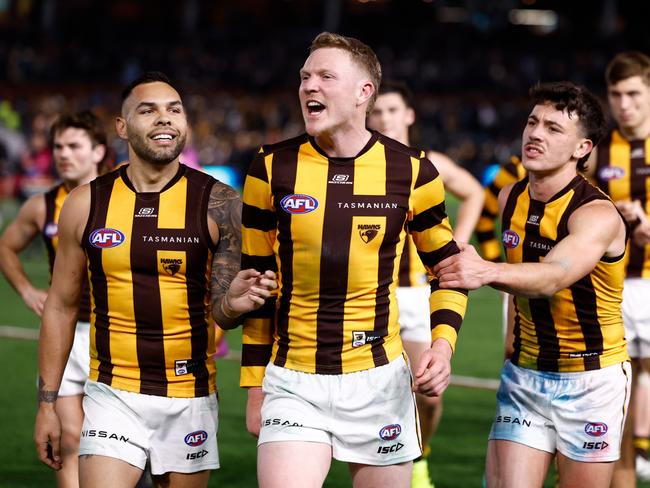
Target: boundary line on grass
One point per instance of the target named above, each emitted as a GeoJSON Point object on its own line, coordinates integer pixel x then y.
{"type": "Point", "coordinates": [456, 380]}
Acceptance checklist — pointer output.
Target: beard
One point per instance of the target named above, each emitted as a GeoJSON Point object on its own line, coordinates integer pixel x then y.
{"type": "Point", "coordinates": [161, 155]}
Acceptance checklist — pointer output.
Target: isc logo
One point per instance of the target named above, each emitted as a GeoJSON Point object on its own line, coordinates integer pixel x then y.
{"type": "Point", "coordinates": [196, 455]}
{"type": "Point", "coordinates": [196, 438]}
{"type": "Point", "coordinates": [390, 432]}
{"type": "Point", "coordinates": [599, 446]}
{"type": "Point", "coordinates": [298, 204]}
{"type": "Point", "coordinates": [510, 239]}
{"type": "Point", "coordinates": [392, 448]}
{"type": "Point", "coordinates": [105, 238]}
{"type": "Point", "coordinates": [596, 429]}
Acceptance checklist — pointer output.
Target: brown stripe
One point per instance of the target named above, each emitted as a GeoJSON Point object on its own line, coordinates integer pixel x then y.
{"type": "Point", "coordinates": [603, 160]}
{"type": "Point", "coordinates": [584, 301]}
{"type": "Point", "coordinates": [506, 220]}
{"type": "Point", "coordinates": [284, 167]}
{"type": "Point", "coordinates": [448, 317]}
{"type": "Point", "coordinates": [434, 257]}
{"type": "Point", "coordinates": [398, 182]}
{"type": "Point", "coordinates": [100, 194]}
{"type": "Point", "coordinates": [404, 277]}
{"type": "Point", "coordinates": [50, 206]}
{"type": "Point", "coordinates": [337, 231]}
{"type": "Point", "coordinates": [637, 192]}
{"type": "Point", "coordinates": [260, 263]}
{"type": "Point", "coordinates": [428, 219]}
{"type": "Point", "coordinates": [255, 354]}
{"type": "Point", "coordinates": [540, 308]}
{"type": "Point", "coordinates": [198, 195]}
{"type": "Point", "coordinates": [147, 308]}
{"type": "Point", "coordinates": [256, 218]}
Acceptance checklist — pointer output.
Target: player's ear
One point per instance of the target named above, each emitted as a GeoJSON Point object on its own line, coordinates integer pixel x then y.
{"type": "Point", "coordinates": [99, 151]}
{"type": "Point", "coordinates": [366, 91]}
{"type": "Point", "coordinates": [120, 127]}
{"type": "Point", "coordinates": [410, 116]}
{"type": "Point", "coordinates": [583, 148]}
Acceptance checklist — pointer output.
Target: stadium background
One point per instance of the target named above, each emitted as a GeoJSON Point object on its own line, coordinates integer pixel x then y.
{"type": "Point", "coordinates": [469, 62]}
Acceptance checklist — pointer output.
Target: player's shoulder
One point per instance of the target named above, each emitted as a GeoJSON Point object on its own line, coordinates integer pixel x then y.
{"type": "Point", "coordinates": [286, 145]}
{"type": "Point", "coordinates": [397, 146]}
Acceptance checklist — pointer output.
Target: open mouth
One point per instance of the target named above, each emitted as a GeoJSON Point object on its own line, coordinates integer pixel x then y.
{"type": "Point", "coordinates": [163, 137]}
{"type": "Point", "coordinates": [533, 150]}
{"type": "Point", "coordinates": [315, 108]}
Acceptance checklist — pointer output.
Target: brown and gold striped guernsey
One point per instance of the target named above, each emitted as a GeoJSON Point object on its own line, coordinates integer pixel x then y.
{"type": "Point", "coordinates": [486, 233]}
{"type": "Point", "coordinates": [623, 173]}
{"type": "Point", "coordinates": [579, 328]}
{"type": "Point", "coordinates": [53, 202]}
{"type": "Point", "coordinates": [411, 270]}
{"type": "Point", "coordinates": [149, 259]}
{"type": "Point", "coordinates": [335, 228]}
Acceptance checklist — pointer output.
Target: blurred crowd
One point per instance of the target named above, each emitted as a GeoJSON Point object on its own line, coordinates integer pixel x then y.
{"type": "Point", "coordinates": [238, 65]}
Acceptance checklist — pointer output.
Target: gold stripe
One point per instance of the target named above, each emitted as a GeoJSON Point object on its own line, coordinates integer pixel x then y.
{"type": "Point", "coordinates": [119, 282]}
{"type": "Point", "coordinates": [369, 177]}
{"type": "Point", "coordinates": [251, 376]}
{"type": "Point", "coordinates": [171, 215]}
{"type": "Point", "coordinates": [175, 311]}
{"type": "Point", "coordinates": [447, 332]}
{"type": "Point", "coordinates": [257, 331]}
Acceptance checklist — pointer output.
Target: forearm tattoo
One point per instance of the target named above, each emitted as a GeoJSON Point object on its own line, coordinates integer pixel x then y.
{"type": "Point", "coordinates": [224, 208]}
{"type": "Point", "coordinates": [46, 396]}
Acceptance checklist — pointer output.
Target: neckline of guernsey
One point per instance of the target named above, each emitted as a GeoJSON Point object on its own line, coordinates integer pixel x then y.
{"type": "Point", "coordinates": [371, 142]}
{"type": "Point", "coordinates": [179, 174]}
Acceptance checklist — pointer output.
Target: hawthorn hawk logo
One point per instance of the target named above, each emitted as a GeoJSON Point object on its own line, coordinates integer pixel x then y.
{"type": "Point", "coordinates": [171, 266]}
{"type": "Point", "coordinates": [368, 232]}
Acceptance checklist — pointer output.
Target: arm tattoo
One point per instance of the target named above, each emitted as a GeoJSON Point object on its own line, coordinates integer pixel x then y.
{"type": "Point", "coordinates": [224, 208]}
{"type": "Point", "coordinates": [46, 396]}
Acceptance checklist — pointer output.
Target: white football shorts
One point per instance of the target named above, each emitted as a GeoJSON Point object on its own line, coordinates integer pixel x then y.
{"type": "Point", "coordinates": [368, 417]}
{"type": "Point", "coordinates": [175, 434]}
{"type": "Point", "coordinates": [78, 365]}
{"type": "Point", "coordinates": [579, 414]}
{"type": "Point", "coordinates": [414, 318]}
{"type": "Point", "coordinates": [636, 316]}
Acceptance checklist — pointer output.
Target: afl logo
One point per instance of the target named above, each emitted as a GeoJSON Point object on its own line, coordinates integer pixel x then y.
{"type": "Point", "coordinates": [105, 238]}
{"type": "Point", "coordinates": [609, 173]}
{"type": "Point", "coordinates": [390, 432]}
{"type": "Point", "coordinates": [51, 230]}
{"type": "Point", "coordinates": [299, 204]}
{"type": "Point", "coordinates": [510, 239]}
{"type": "Point", "coordinates": [596, 429]}
{"type": "Point", "coordinates": [196, 438]}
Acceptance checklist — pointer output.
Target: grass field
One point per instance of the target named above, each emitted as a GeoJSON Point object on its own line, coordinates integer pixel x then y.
{"type": "Point", "coordinates": [458, 449]}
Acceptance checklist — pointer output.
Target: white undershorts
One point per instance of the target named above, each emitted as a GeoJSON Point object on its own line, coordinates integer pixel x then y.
{"type": "Point", "coordinates": [175, 434]}
{"type": "Point", "coordinates": [579, 414]}
{"type": "Point", "coordinates": [368, 417]}
{"type": "Point", "coordinates": [414, 318]}
{"type": "Point", "coordinates": [636, 316]}
{"type": "Point", "coordinates": [78, 365]}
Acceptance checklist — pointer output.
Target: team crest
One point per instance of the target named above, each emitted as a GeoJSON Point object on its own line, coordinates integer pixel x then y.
{"type": "Point", "coordinates": [368, 232]}
{"type": "Point", "coordinates": [171, 265]}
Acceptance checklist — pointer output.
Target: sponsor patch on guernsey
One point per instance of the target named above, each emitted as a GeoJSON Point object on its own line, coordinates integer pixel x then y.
{"type": "Point", "coordinates": [105, 238]}
{"type": "Point", "coordinates": [609, 173]}
{"type": "Point", "coordinates": [298, 204]}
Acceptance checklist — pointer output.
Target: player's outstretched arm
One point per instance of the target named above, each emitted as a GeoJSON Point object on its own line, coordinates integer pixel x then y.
{"type": "Point", "coordinates": [460, 183]}
{"type": "Point", "coordinates": [233, 292]}
{"type": "Point", "coordinates": [16, 237]}
{"type": "Point", "coordinates": [595, 230]}
{"type": "Point", "coordinates": [59, 318]}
